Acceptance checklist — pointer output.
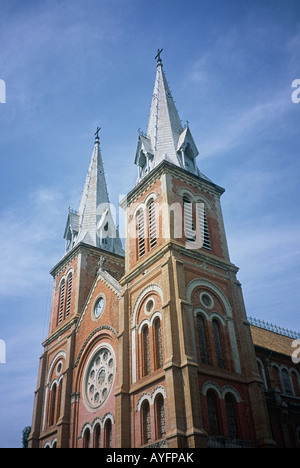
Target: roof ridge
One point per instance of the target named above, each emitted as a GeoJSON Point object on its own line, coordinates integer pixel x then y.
{"type": "Point", "coordinates": [273, 328]}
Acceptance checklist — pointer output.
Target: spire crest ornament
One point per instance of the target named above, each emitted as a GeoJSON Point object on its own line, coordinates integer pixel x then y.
{"type": "Point", "coordinates": [97, 133]}
{"type": "Point", "coordinates": [158, 55]}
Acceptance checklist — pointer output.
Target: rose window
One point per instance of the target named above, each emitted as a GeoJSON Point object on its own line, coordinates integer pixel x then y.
{"type": "Point", "coordinates": [100, 377]}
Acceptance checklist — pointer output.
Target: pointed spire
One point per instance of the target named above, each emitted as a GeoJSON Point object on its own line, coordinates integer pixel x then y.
{"type": "Point", "coordinates": [166, 139]}
{"type": "Point", "coordinates": [94, 194]}
{"type": "Point", "coordinates": [93, 223]}
{"type": "Point", "coordinates": [164, 125]}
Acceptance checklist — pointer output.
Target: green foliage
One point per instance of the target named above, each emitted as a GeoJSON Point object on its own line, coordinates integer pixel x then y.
{"type": "Point", "coordinates": [26, 432]}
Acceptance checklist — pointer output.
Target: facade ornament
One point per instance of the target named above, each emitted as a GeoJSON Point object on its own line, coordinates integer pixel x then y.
{"type": "Point", "coordinates": [101, 262]}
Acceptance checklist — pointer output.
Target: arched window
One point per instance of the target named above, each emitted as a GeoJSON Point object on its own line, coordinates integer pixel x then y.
{"type": "Point", "coordinates": [97, 436]}
{"type": "Point", "coordinates": [159, 407]}
{"type": "Point", "coordinates": [69, 292]}
{"type": "Point", "coordinates": [152, 224]}
{"type": "Point", "coordinates": [145, 422]}
{"type": "Point", "coordinates": [295, 382]}
{"type": "Point", "coordinates": [276, 377]}
{"type": "Point", "coordinates": [231, 415]}
{"type": "Point", "coordinates": [52, 404]}
{"type": "Point", "coordinates": [218, 343]}
{"type": "Point", "coordinates": [140, 226]}
{"type": "Point", "coordinates": [86, 438]}
{"type": "Point", "coordinates": [158, 353]}
{"type": "Point", "coordinates": [201, 329]}
{"type": "Point", "coordinates": [287, 386]}
{"type": "Point", "coordinates": [58, 403]}
{"type": "Point", "coordinates": [189, 226]}
{"type": "Point", "coordinates": [213, 413]}
{"type": "Point", "coordinates": [145, 351]}
{"type": "Point", "coordinates": [108, 434]}
{"type": "Point", "coordinates": [203, 225]}
{"type": "Point", "coordinates": [61, 301]}
{"type": "Point", "coordinates": [262, 373]}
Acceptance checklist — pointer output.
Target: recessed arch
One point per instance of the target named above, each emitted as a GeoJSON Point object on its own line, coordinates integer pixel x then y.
{"type": "Point", "coordinates": [208, 284]}
{"type": "Point", "coordinates": [228, 389]}
{"type": "Point", "coordinates": [60, 354]}
{"type": "Point", "coordinates": [150, 288]}
{"type": "Point", "coordinates": [144, 397]}
{"type": "Point", "coordinates": [209, 385]}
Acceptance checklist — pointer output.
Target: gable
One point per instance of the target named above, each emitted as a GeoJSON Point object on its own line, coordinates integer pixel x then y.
{"type": "Point", "coordinates": [109, 289]}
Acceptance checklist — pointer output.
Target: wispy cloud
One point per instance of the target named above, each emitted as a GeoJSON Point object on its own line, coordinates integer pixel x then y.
{"type": "Point", "coordinates": [27, 236]}
{"type": "Point", "coordinates": [267, 252]}
{"type": "Point", "coordinates": [243, 124]}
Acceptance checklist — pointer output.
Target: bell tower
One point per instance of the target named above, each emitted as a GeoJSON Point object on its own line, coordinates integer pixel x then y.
{"type": "Point", "coordinates": [186, 355]}
{"type": "Point", "coordinates": [91, 240]}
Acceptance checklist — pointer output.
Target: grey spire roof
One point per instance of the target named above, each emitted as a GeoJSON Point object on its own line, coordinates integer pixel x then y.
{"type": "Point", "coordinates": [164, 126]}
{"type": "Point", "coordinates": [93, 223]}
{"type": "Point", "coordinates": [166, 138]}
{"type": "Point", "coordinates": [94, 195]}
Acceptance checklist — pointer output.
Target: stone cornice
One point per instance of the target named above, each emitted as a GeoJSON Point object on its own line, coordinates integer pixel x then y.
{"type": "Point", "coordinates": [60, 332]}
{"type": "Point", "coordinates": [204, 257]}
{"type": "Point", "coordinates": [167, 167]}
{"type": "Point", "coordinates": [85, 248]}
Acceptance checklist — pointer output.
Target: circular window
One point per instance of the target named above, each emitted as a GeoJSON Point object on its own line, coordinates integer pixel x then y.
{"type": "Point", "coordinates": [149, 306]}
{"type": "Point", "coordinates": [99, 377]}
{"type": "Point", "coordinates": [206, 300]}
{"type": "Point", "coordinates": [99, 306]}
{"type": "Point", "coordinates": [59, 368]}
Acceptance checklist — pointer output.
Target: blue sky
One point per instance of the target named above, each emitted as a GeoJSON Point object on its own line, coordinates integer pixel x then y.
{"type": "Point", "coordinates": [72, 65]}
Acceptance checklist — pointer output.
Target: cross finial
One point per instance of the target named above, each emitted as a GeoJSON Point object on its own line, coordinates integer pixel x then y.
{"type": "Point", "coordinates": [97, 133]}
{"type": "Point", "coordinates": [158, 55]}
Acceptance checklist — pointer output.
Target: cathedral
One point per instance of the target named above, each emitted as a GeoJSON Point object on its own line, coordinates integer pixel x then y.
{"type": "Point", "coordinates": [149, 344]}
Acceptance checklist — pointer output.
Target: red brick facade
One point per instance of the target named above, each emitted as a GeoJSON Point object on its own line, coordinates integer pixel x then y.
{"type": "Point", "coordinates": [154, 349]}
{"type": "Point", "coordinates": [168, 358]}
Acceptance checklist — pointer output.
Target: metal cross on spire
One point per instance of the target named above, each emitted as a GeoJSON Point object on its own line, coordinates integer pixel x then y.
{"type": "Point", "coordinates": [97, 132]}
{"type": "Point", "coordinates": [158, 55]}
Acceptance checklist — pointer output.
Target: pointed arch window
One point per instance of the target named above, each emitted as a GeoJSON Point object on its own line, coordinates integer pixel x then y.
{"type": "Point", "coordinates": [158, 353]}
{"type": "Point", "coordinates": [52, 405]}
{"type": "Point", "coordinates": [152, 224]}
{"type": "Point", "coordinates": [145, 423]}
{"type": "Point", "coordinates": [97, 436]}
{"type": "Point", "coordinates": [203, 225]}
{"type": "Point", "coordinates": [159, 407]}
{"type": "Point", "coordinates": [69, 292]}
{"type": "Point", "coordinates": [145, 351]}
{"type": "Point", "coordinates": [140, 226]}
{"type": "Point", "coordinates": [213, 413]}
{"type": "Point", "coordinates": [218, 343]}
{"type": "Point", "coordinates": [191, 212]}
{"type": "Point", "coordinates": [61, 301]}
{"type": "Point", "coordinates": [108, 434]}
{"type": "Point", "coordinates": [201, 329]}
{"type": "Point", "coordinates": [58, 403]}
{"type": "Point", "coordinates": [189, 225]}
{"type": "Point", "coordinates": [230, 405]}
{"type": "Point", "coordinates": [86, 438]}
{"type": "Point", "coordinates": [287, 386]}
{"type": "Point", "coordinates": [65, 294]}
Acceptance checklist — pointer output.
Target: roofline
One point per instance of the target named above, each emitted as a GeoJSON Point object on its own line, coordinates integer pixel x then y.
{"type": "Point", "coordinates": [77, 249]}
{"type": "Point", "coordinates": [163, 167]}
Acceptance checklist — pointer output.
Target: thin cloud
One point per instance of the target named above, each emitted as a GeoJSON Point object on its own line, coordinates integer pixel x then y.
{"type": "Point", "coordinates": [27, 236]}
{"type": "Point", "coordinates": [243, 124]}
